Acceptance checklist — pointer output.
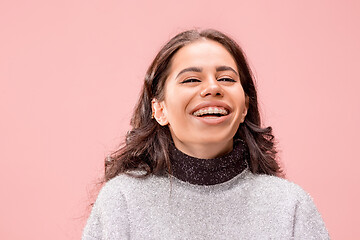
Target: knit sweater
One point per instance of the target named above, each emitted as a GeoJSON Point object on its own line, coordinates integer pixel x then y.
{"type": "Point", "coordinates": [248, 206]}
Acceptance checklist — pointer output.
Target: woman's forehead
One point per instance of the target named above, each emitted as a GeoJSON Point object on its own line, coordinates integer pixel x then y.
{"type": "Point", "coordinates": [202, 54]}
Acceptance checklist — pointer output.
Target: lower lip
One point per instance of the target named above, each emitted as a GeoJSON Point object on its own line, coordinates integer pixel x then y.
{"type": "Point", "coordinates": [213, 120]}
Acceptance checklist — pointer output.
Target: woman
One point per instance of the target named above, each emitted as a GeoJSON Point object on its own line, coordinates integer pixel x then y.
{"type": "Point", "coordinates": [197, 164]}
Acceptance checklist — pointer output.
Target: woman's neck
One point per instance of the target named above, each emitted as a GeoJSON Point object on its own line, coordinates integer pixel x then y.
{"type": "Point", "coordinates": [205, 150]}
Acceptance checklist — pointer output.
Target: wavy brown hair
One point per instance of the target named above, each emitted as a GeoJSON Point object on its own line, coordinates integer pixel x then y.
{"type": "Point", "coordinates": [147, 143]}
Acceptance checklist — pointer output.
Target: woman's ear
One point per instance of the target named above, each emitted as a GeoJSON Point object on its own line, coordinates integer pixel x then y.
{"type": "Point", "coordinates": [159, 112]}
{"type": "Point", "coordinates": [243, 115]}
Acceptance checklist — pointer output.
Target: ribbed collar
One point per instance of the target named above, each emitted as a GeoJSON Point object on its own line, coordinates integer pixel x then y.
{"type": "Point", "coordinates": [209, 171]}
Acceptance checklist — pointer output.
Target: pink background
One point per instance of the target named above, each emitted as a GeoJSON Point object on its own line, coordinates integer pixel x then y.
{"type": "Point", "coordinates": [70, 73]}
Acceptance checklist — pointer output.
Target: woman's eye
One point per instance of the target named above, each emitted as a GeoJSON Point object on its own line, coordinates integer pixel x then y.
{"type": "Point", "coordinates": [190, 80]}
{"type": "Point", "coordinates": [226, 80]}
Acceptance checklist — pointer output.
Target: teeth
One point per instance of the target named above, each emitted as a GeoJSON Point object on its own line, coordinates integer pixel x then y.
{"type": "Point", "coordinates": [210, 110]}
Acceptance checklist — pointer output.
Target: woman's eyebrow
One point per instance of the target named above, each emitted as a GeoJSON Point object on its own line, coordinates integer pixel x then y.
{"type": "Point", "coordinates": [189, 69]}
{"type": "Point", "coordinates": [226, 68]}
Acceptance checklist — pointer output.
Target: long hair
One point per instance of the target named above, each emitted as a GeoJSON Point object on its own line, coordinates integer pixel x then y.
{"type": "Point", "coordinates": [146, 144]}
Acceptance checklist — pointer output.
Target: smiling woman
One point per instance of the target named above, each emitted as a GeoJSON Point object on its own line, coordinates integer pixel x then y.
{"type": "Point", "coordinates": [204, 102]}
{"type": "Point", "coordinates": [197, 163]}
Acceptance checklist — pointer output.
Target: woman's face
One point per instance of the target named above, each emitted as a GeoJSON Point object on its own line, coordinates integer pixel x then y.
{"type": "Point", "coordinates": [204, 101]}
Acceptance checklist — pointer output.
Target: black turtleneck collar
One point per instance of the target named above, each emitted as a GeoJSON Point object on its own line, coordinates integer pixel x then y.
{"type": "Point", "coordinates": [209, 171]}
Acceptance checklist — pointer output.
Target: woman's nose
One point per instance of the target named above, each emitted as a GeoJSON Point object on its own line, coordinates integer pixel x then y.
{"type": "Point", "coordinates": [211, 88]}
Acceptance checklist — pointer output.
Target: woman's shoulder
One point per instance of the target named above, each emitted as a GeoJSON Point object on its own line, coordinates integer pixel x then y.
{"type": "Point", "coordinates": [128, 183]}
{"type": "Point", "coordinates": [269, 185]}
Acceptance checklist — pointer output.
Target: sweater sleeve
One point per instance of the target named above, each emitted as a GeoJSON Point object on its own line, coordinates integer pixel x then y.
{"type": "Point", "coordinates": [308, 223]}
{"type": "Point", "coordinates": [109, 217]}
{"type": "Point", "coordinates": [93, 228]}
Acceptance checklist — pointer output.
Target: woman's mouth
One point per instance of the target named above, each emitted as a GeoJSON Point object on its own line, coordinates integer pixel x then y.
{"type": "Point", "coordinates": [211, 112]}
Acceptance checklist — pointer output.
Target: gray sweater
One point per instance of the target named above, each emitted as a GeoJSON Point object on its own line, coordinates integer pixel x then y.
{"type": "Point", "coordinates": [248, 206]}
